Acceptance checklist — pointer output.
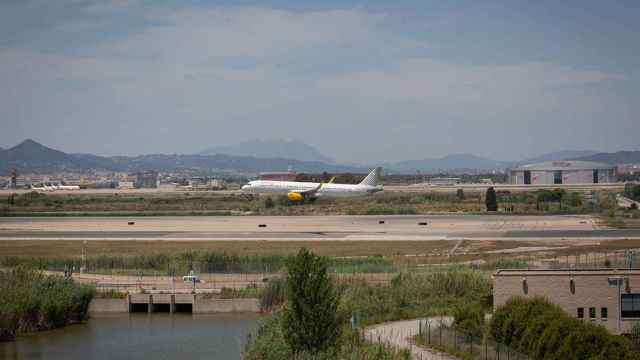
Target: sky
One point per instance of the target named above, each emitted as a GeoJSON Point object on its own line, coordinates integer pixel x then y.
{"type": "Point", "coordinates": [361, 81]}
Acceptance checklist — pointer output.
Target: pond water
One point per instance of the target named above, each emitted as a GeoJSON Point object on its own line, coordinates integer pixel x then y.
{"type": "Point", "coordinates": [154, 336]}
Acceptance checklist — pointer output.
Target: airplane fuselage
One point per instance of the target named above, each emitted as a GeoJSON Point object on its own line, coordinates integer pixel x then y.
{"type": "Point", "coordinates": [285, 187]}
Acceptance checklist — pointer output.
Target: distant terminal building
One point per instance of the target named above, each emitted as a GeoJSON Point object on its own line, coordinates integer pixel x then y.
{"type": "Point", "coordinates": [278, 175]}
{"type": "Point", "coordinates": [630, 169]}
{"type": "Point", "coordinates": [563, 172]}
{"type": "Point", "coordinates": [607, 297]}
{"type": "Point", "coordinates": [146, 179]}
{"type": "Point", "coordinates": [444, 181]}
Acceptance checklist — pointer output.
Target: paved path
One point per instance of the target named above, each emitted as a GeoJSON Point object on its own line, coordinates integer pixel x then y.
{"type": "Point", "coordinates": [399, 334]}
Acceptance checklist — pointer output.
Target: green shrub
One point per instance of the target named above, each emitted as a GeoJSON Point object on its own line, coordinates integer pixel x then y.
{"type": "Point", "coordinates": [632, 191]}
{"type": "Point", "coordinates": [506, 263]}
{"type": "Point", "coordinates": [470, 318]}
{"type": "Point", "coordinates": [273, 295]}
{"type": "Point", "coordinates": [543, 330]}
{"type": "Point", "coordinates": [417, 295]}
{"type": "Point", "coordinates": [635, 336]}
{"type": "Point", "coordinates": [574, 199]}
{"type": "Point", "coordinates": [30, 301]}
{"type": "Point", "coordinates": [268, 343]}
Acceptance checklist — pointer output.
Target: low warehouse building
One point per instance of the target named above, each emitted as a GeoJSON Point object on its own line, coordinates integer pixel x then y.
{"type": "Point", "coordinates": [603, 296]}
{"type": "Point", "coordinates": [563, 172]}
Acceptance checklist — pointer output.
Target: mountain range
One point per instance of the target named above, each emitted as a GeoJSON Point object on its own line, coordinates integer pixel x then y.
{"type": "Point", "coordinates": [449, 162]}
{"type": "Point", "coordinates": [32, 157]}
{"type": "Point", "coordinates": [558, 155]}
{"type": "Point", "coordinates": [270, 148]}
{"type": "Point", "coordinates": [620, 157]}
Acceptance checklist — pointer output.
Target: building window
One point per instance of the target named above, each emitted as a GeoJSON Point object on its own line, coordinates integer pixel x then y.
{"type": "Point", "coordinates": [557, 177]}
{"type": "Point", "coordinates": [527, 177]}
{"type": "Point", "coordinates": [592, 313]}
{"type": "Point", "coordinates": [603, 313]}
{"type": "Point", "coordinates": [595, 176]}
{"type": "Point", "coordinates": [580, 313]}
{"type": "Point", "coordinates": [631, 305]}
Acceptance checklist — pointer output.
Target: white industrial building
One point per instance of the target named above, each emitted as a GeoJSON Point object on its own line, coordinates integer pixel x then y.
{"type": "Point", "coordinates": [563, 172]}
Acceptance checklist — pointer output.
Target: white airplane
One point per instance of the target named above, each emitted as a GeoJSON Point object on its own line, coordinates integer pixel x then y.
{"type": "Point", "coordinates": [68, 187]}
{"type": "Point", "coordinates": [300, 191]}
{"type": "Point", "coordinates": [36, 188]}
{"type": "Point", "coordinates": [49, 188]}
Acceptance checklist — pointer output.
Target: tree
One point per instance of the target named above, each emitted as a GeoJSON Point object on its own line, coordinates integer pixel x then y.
{"type": "Point", "coordinates": [558, 195]}
{"type": "Point", "coordinates": [14, 178]}
{"type": "Point", "coordinates": [632, 191]}
{"type": "Point", "coordinates": [460, 194]}
{"type": "Point", "coordinates": [268, 202]}
{"type": "Point", "coordinates": [491, 200]}
{"type": "Point", "coordinates": [310, 319]}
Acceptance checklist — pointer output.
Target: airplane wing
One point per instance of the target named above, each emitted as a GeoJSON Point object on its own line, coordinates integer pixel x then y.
{"type": "Point", "coordinates": [310, 191]}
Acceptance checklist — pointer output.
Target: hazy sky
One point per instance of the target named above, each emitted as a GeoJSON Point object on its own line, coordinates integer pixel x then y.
{"type": "Point", "coordinates": [361, 81]}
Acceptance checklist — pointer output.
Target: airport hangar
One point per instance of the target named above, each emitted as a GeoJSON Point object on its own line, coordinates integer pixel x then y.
{"type": "Point", "coordinates": [563, 172]}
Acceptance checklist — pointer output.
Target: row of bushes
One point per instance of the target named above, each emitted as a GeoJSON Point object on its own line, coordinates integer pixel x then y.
{"type": "Point", "coordinates": [268, 343]}
{"type": "Point", "coordinates": [202, 261]}
{"type": "Point", "coordinates": [31, 301]}
{"type": "Point", "coordinates": [544, 331]}
{"type": "Point", "coordinates": [632, 191]}
{"type": "Point", "coordinates": [417, 295]}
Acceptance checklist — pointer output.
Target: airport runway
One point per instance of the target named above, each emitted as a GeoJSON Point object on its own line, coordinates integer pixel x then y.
{"type": "Point", "coordinates": [295, 228]}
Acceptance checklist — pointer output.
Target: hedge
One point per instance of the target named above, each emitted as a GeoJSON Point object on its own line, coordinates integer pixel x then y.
{"type": "Point", "coordinates": [544, 331]}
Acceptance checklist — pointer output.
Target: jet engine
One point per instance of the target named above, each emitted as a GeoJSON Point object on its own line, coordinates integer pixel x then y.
{"type": "Point", "coordinates": [294, 196]}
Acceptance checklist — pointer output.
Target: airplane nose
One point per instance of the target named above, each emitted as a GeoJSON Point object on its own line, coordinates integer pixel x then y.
{"type": "Point", "coordinates": [244, 187]}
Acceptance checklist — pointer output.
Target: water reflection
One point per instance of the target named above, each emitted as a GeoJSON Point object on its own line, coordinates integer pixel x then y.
{"type": "Point", "coordinates": [139, 336]}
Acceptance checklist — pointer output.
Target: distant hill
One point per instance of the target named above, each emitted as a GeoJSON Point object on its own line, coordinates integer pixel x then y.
{"type": "Point", "coordinates": [32, 157]}
{"type": "Point", "coordinates": [620, 157]}
{"type": "Point", "coordinates": [449, 162]}
{"type": "Point", "coordinates": [281, 149]}
{"type": "Point", "coordinates": [558, 155]}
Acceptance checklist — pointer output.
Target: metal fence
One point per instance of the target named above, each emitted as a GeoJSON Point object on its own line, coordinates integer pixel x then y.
{"type": "Point", "coordinates": [451, 339]}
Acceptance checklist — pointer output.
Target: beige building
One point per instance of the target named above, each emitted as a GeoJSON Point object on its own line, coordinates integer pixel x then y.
{"type": "Point", "coordinates": [606, 297]}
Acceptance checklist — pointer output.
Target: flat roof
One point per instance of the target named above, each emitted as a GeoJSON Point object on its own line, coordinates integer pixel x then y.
{"type": "Point", "coordinates": [564, 165]}
{"type": "Point", "coordinates": [552, 272]}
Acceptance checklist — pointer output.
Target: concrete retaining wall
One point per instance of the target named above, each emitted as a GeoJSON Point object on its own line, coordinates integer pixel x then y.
{"type": "Point", "coordinates": [101, 306]}
{"type": "Point", "coordinates": [200, 305]}
{"type": "Point", "coordinates": [205, 306]}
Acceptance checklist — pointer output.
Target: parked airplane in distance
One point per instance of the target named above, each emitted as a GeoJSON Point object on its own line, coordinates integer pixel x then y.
{"type": "Point", "coordinates": [67, 187]}
{"type": "Point", "coordinates": [45, 187]}
{"type": "Point", "coordinates": [300, 191]}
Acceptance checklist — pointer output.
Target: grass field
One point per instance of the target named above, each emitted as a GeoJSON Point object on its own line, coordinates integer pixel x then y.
{"type": "Point", "coordinates": [211, 203]}
{"type": "Point", "coordinates": [400, 251]}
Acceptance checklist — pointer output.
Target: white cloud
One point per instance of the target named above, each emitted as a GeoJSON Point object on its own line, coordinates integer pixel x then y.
{"type": "Point", "coordinates": [107, 6]}
{"type": "Point", "coordinates": [335, 78]}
